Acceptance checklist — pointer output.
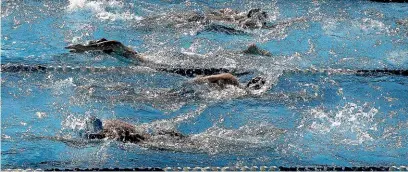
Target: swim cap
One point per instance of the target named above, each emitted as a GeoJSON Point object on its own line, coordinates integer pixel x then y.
{"type": "Point", "coordinates": [92, 125]}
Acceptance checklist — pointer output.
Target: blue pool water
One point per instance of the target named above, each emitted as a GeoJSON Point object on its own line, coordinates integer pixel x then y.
{"type": "Point", "coordinates": [301, 119]}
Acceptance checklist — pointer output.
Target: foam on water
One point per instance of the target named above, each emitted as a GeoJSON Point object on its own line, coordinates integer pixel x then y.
{"type": "Point", "coordinates": [221, 140]}
{"type": "Point", "coordinates": [356, 28]}
{"type": "Point", "coordinates": [398, 58]}
{"type": "Point", "coordinates": [73, 122]}
{"type": "Point", "coordinates": [61, 87]}
{"type": "Point", "coordinates": [191, 60]}
{"type": "Point", "coordinates": [229, 92]}
{"type": "Point", "coordinates": [349, 124]}
{"type": "Point", "coordinates": [217, 139]}
{"type": "Point", "coordinates": [105, 9]}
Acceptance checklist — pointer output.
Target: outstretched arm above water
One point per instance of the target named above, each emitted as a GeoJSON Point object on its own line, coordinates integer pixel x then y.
{"type": "Point", "coordinates": [107, 46]}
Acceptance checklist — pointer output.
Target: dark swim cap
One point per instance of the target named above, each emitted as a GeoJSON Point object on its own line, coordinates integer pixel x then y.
{"type": "Point", "coordinates": [256, 83]}
{"type": "Point", "coordinates": [92, 125]}
{"type": "Point", "coordinates": [252, 12]}
{"type": "Point", "coordinates": [261, 15]}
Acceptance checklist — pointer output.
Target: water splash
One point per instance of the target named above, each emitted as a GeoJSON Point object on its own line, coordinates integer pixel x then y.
{"type": "Point", "coordinates": [351, 123]}
{"type": "Point", "coordinates": [217, 139]}
{"type": "Point", "coordinates": [105, 9]}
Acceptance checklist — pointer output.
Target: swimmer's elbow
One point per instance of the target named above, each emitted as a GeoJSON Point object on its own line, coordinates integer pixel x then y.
{"type": "Point", "coordinates": [198, 80]}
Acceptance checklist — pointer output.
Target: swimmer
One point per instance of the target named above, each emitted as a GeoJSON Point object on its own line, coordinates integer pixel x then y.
{"type": "Point", "coordinates": [225, 20]}
{"type": "Point", "coordinates": [121, 131]}
{"type": "Point", "coordinates": [117, 48]}
{"type": "Point", "coordinates": [224, 79]}
{"type": "Point", "coordinates": [254, 18]}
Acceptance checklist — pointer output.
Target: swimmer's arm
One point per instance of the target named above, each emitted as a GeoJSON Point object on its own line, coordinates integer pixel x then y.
{"type": "Point", "coordinates": [229, 78]}
{"type": "Point", "coordinates": [108, 46]}
{"type": "Point", "coordinates": [199, 80]}
{"type": "Point", "coordinates": [102, 46]}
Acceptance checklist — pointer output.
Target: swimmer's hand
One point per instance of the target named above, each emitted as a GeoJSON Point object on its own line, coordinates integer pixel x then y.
{"type": "Point", "coordinates": [255, 50]}
{"type": "Point", "coordinates": [76, 48]}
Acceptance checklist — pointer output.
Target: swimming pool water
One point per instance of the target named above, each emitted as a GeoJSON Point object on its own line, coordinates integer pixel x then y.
{"type": "Point", "coordinates": [302, 119]}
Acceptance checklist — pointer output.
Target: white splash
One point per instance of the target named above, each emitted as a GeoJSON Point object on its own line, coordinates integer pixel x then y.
{"type": "Point", "coordinates": [73, 122]}
{"type": "Point", "coordinates": [104, 10]}
{"type": "Point", "coordinates": [41, 114]}
{"type": "Point", "coordinates": [63, 86]}
{"type": "Point", "coordinates": [371, 25]}
{"type": "Point", "coordinates": [229, 92]}
{"type": "Point", "coordinates": [217, 139]}
{"type": "Point", "coordinates": [351, 124]}
{"type": "Point", "coordinates": [398, 58]}
{"type": "Point", "coordinates": [338, 27]}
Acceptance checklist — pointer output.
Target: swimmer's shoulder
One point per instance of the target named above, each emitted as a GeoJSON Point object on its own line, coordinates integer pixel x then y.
{"type": "Point", "coordinates": [225, 77]}
{"type": "Point", "coordinates": [117, 124]}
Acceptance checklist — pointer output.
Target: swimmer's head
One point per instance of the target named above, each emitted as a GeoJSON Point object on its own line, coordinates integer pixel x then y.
{"type": "Point", "coordinates": [92, 125]}
{"type": "Point", "coordinates": [256, 83]}
{"type": "Point", "coordinates": [258, 15]}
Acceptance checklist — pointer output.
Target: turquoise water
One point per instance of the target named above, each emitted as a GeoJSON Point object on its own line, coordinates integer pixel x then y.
{"type": "Point", "coordinates": [300, 119]}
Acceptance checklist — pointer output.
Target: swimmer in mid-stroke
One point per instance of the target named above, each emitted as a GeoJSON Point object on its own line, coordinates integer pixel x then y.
{"type": "Point", "coordinates": [254, 18]}
{"type": "Point", "coordinates": [119, 130]}
{"type": "Point", "coordinates": [117, 48]}
{"type": "Point", "coordinates": [224, 79]}
{"type": "Point", "coordinates": [224, 20]}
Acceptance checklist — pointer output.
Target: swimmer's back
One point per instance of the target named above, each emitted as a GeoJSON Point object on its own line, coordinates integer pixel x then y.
{"type": "Point", "coordinates": [122, 131]}
{"type": "Point", "coordinates": [220, 79]}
